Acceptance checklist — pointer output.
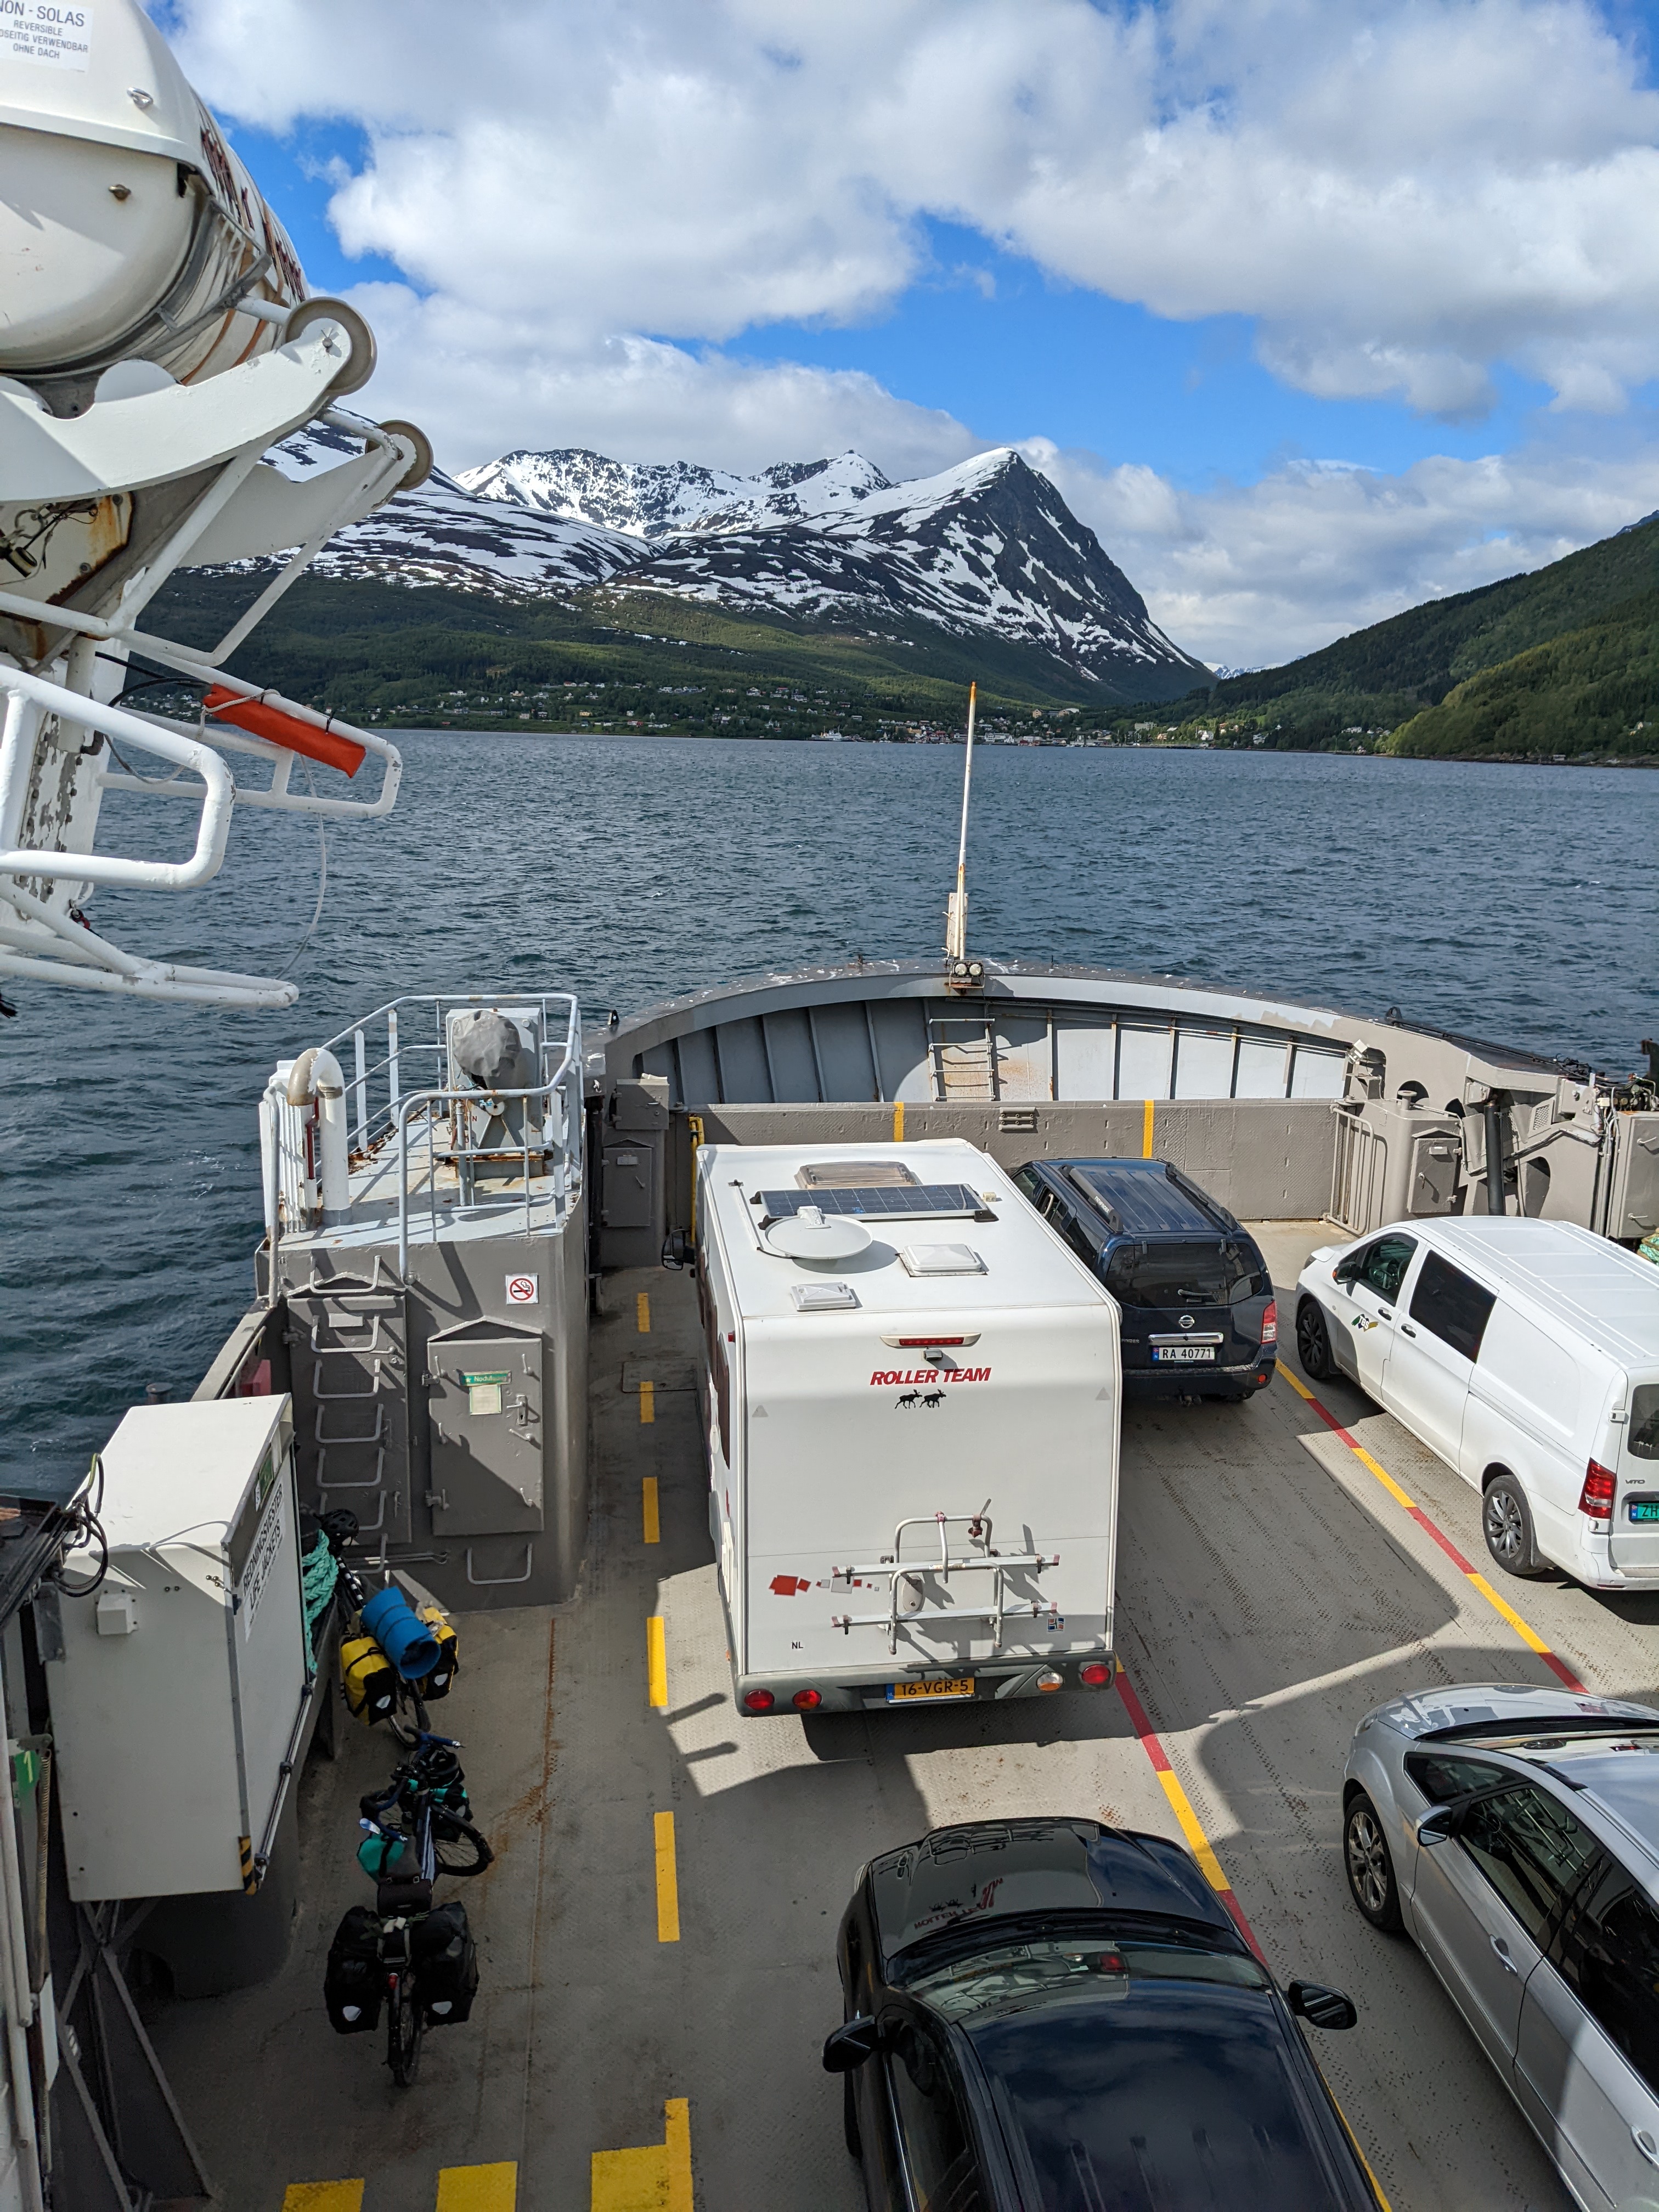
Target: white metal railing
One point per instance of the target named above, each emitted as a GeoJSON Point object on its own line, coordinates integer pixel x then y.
{"type": "Point", "coordinates": [40, 936]}
{"type": "Point", "coordinates": [401, 1102]}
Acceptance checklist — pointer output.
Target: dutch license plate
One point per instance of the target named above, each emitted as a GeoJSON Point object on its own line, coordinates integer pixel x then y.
{"type": "Point", "coordinates": [1644, 1509]}
{"type": "Point", "coordinates": [1183, 1352]}
{"type": "Point", "coordinates": [900, 1693]}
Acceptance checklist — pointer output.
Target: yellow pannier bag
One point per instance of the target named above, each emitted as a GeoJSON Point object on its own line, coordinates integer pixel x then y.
{"type": "Point", "coordinates": [368, 1679]}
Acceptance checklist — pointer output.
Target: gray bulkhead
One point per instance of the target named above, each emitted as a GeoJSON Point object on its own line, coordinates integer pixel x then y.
{"type": "Point", "coordinates": [1284, 1110]}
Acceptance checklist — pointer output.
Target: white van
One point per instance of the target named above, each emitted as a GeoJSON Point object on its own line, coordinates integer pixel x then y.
{"type": "Point", "coordinates": [912, 1391]}
{"type": "Point", "coordinates": [1526, 1353]}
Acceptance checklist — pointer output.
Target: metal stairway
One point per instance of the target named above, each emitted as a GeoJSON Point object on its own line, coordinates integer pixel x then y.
{"type": "Point", "coordinates": [963, 1052]}
{"type": "Point", "coordinates": [348, 1341]}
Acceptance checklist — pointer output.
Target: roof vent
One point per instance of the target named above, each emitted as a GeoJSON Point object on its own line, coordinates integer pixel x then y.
{"type": "Point", "coordinates": [854, 1174]}
{"type": "Point", "coordinates": [942, 1260]}
{"type": "Point", "coordinates": [823, 1297]}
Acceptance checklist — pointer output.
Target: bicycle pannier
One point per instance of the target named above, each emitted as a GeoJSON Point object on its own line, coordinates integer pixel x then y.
{"type": "Point", "coordinates": [368, 1679]}
{"type": "Point", "coordinates": [436, 1683]}
{"type": "Point", "coordinates": [354, 1981]}
{"type": "Point", "coordinates": [445, 1965]}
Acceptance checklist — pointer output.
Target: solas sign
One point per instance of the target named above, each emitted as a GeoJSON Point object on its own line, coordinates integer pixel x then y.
{"type": "Point", "coordinates": [886, 1377]}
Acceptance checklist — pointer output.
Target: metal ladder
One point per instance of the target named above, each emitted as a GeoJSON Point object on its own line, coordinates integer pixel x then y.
{"type": "Point", "coordinates": [963, 1052]}
{"type": "Point", "coordinates": [347, 1341]}
{"type": "Point", "coordinates": [908, 1578]}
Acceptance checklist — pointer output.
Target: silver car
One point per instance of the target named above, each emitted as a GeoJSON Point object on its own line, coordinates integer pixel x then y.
{"type": "Point", "coordinates": [1513, 1834]}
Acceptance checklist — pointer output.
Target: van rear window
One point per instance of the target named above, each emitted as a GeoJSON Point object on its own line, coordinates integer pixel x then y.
{"type": "Point", "coordinates": [1452, 1305]}
{"type": "Point", "coordinates": [1645, 1421]}
{"type": "Point", "coordinates": [1215, 1272]}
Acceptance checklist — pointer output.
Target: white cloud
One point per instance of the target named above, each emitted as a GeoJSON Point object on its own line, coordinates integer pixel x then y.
{"type": "Point", "coordinates": [1253, 575]}
{"type": "Point", "coordinates": [483, 384]}
{"type": "Point", "coordinates": [1399, 193]}
{"type": "Point", "coordinates": [594, 199]}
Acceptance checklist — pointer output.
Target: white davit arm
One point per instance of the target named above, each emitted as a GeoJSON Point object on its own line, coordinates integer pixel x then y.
{"type": "Point", "coordinates": [158, 248]}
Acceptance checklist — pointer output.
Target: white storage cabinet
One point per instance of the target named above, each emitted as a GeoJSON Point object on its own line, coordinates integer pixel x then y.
{"type": "Point", "coordinates": [179, 1695]}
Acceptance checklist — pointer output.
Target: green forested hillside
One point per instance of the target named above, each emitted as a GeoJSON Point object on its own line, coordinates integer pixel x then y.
{"type": "Point", "coordinates": [1594, 691]}
{"type": "Point", "coordinates": [403, 654]}
{"type": "Point", "coordinates": [1595, 608]}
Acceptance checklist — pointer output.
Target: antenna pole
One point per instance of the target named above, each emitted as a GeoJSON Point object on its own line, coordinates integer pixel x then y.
{"type": "Point", "coordinates": [956, 910]}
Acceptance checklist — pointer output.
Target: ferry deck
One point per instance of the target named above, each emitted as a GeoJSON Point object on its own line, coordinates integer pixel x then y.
{"type": "Point", "coordinates": [657, 1933]}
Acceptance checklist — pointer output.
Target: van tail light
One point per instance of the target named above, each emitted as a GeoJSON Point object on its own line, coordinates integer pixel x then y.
{"type": "Point", "coordinates": [808, 1701]}
{"type": "Point", "coordinates": [1595, 1499]}
{"type": "Point", "coordinates": [1095, 1674]}
{"type": "Point", "coordinates": [1270, 1322]}
{"type": "Point", "coordinates": [758, 1701]}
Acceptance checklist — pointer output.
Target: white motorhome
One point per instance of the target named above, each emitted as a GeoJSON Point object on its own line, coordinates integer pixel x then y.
{"type": "Point", "coordinates": [912, 1391]}
{"type": "Point", "coordinates": [1526, 1353]}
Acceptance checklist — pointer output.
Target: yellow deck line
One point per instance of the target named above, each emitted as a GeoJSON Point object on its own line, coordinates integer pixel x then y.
{"type": "Point", "coordinates": [478, 2189]}
{"type": "Point", "coordinates": [898, 1121]}
{"type": "Point", "coordinates": [643, 1312]}
{"type": "Point", "coordinates": [656, 1664]}
{"type": "Point", "coordinates": [322, 2196]}
{"type": "Point", "coordinates": [648, 1403]}
{"type": "Point", "coordinates": [648, 1509]}
{"type": "Point", "coordinates": [655, 2177]}
{"type": "Point", "coordinates": [668, 1886]}
{"type": "Point", "coordinates": [1198, 1843]}
{"type": "Point", "coordinates": [1147, 1130]}
{"type": "Point", "coordinates": [1476, 1580]}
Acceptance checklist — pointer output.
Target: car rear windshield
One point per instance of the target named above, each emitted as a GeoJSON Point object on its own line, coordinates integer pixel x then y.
{"type": "Point", "coordinates": [1215, 1271]}
{"type": "Point", "coordinates": [1176, 2093]}
{"type": "Point", "coordinates": [1645, 1421]}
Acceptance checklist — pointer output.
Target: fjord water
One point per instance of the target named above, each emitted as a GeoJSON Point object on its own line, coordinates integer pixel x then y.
{"type": "Point", "coordinates": [1511, 903]}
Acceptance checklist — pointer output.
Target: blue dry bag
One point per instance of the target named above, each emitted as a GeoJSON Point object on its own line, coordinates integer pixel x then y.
{"type": "Point", "coordinates": [401, 1633]}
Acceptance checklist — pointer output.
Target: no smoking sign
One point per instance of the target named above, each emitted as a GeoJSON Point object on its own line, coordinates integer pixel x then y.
{"type": "Point", "coordinates": [524, 1289]}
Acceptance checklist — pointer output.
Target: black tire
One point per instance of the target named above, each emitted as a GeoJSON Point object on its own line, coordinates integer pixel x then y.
{"type": "Point", "coordinates": [849, 2119]}
{"type": "Point", "coordinates": [404, 2025]}
{"type": "Point", "coordinates": [457, 1847]}
{"type": "Point", "coordinates": [1506, 1524]}
{"type": "Point", "coordinates": [1366, 1862]}
{"type": "Point", "coordinates": [1313, 1341]}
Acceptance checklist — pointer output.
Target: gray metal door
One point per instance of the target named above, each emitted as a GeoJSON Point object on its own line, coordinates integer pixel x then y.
{"type": "Point", "coordinates": [488, 1424]}
{"type": "Point", "coordinates": [629, 1184]}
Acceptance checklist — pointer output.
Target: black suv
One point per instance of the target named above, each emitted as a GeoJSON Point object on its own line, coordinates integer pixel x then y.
{"type": "Point", "coordinates": [1200, 1318]}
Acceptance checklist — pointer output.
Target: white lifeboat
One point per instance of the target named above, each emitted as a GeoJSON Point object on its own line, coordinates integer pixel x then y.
{"type": "Point", "coordinates": [128, 228]}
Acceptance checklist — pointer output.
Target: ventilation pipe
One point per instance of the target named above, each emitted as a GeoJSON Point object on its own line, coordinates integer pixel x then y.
{"type": "Point", "coordinates": [317, 1076]}
{"type": "Point", "coordinates": [1494, 1111]}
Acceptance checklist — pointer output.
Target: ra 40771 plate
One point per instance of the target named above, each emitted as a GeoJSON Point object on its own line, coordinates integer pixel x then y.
{"type": "Point", "coordinates": [901, 1693]}
{"type": "Point", "coordinates": [1183, 1352]}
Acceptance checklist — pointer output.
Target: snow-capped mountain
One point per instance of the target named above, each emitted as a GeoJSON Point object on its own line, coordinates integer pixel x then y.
{"type": "Point", "coordinates": [988, 546]}
{"type": "Point", "coordinates": [658, 499]}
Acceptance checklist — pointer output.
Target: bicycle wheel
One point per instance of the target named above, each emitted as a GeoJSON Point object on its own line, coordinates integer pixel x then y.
{"type": "Point", "coordinates": [404, 2025]}
{"type": "Point", "coordinates": [456, 1846]}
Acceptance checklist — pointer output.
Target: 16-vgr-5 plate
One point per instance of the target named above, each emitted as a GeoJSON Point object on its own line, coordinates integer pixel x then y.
{"type": "Point", "coordinates": [899, 1694]}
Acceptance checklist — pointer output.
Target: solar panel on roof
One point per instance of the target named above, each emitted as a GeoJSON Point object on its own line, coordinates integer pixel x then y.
{"type": "Point", "coordinates": [918, 1201]}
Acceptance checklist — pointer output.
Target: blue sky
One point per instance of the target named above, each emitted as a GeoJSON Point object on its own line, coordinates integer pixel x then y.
{"type": "Point", "coordinates": [1182, 252]}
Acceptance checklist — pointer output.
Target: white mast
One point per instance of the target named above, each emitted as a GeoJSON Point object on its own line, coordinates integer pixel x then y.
{"type": "Point", "coordinates": [956, 906]}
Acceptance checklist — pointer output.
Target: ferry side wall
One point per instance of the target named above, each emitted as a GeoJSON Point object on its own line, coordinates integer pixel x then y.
{"type": "Point", "coordinates": [1268, 1159]}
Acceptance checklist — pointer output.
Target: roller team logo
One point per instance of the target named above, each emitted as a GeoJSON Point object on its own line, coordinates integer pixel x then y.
{"type": "Point", "coordinates": [892, 1378]}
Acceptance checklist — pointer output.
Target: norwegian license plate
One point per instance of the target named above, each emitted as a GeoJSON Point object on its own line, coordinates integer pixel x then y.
{"type": "Point", "coordinates": [1187, 1352]}
{"type": "Point", "coordinates": [1644, 1509]}
{"type": "Point", "coordinates": [904, 1693]}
